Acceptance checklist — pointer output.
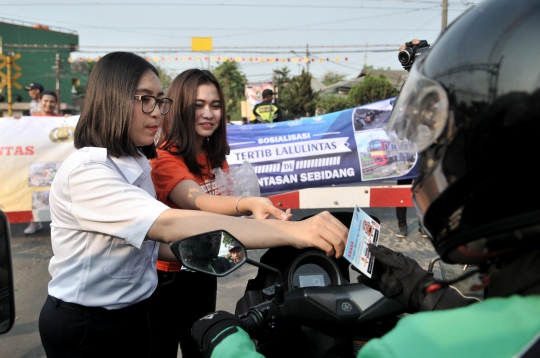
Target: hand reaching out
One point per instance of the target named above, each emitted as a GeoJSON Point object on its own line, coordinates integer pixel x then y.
{"type": "Point", "coordinates": [262, 208]}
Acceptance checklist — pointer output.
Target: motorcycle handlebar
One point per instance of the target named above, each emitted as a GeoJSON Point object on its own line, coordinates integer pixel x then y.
{"type": "Point", "coordinates": [252, 324]}
{"type": "Point", "coordinates": [262, 319]}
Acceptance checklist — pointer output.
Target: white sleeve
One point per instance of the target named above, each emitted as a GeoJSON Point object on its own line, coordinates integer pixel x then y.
{"type": "Point", "coordinates": [100, 200]}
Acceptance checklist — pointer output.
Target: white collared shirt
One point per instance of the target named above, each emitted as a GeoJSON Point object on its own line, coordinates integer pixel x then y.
{"type": "Point", "coordinates": [101, 211]}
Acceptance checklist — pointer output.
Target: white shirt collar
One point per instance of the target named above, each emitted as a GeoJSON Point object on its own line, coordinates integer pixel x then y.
{"type": "Point", "coordinates": [133, 169]}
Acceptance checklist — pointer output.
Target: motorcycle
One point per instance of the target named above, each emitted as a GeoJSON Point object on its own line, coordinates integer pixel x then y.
{"type": "Point", "coordinates": [301, 303]}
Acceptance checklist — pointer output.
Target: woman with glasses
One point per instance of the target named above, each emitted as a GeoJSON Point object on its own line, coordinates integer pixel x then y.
{"type": "Point", "coordinates": [107, 224]}
{"type": "Point", "coordinates": [193, 143]}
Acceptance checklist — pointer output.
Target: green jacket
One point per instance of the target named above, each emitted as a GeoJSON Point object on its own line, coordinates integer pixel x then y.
{"type": "Point", "coordinates": [496, 327]}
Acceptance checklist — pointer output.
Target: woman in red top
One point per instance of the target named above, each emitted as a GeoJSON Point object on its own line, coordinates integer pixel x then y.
{"type": "Point", "coordinates": [193, 142]}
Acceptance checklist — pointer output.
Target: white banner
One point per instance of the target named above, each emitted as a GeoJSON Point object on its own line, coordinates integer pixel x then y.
{"type": "Point", "coordinates": [31, 151]}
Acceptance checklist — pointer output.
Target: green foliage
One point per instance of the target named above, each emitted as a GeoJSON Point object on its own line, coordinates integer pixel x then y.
{"type": "Point", "coordinates": [298, 98]}
{"type": "Point", "coordinates": [332, 103]}
{"type": "Point", "coordinates": [82, 67]}
{"type": "Point", "coordinates": [371, 89]}
{"type": "Point", "coordinates": [233, 85]}
{"type": "Point", "coordinates": [281, 80]}
{"type": "Point", "coordinates": [330, 78]}
{"type": "Point", "coordinates": [81, 70]}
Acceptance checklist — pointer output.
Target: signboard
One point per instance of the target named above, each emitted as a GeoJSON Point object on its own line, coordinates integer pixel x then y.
{"type": "Point", "coordinates": [346, 147]}
{"type": "Point", "coordinates": [201, 44]}
{"type": "Point", "coordinates": [31, 151]}
{"type": "Point", "coordinates": [254, 92]}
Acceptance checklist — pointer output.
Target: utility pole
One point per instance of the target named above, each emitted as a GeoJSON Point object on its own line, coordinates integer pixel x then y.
{"type": "Point", "coordinates": [274, 88]}
{"type": "Point", "coordinates": [10, 99]}
{"type": "Point", "coordinates": [57, 74]}
{"type": "Point", "coordinates": [365, 55]}
{"type": "Point", "coordinates": [308, 59]}
{"type": "Point", "coordinates": [444, 13]}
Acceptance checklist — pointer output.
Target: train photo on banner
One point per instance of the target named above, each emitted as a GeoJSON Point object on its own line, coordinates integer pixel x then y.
{"type": "Point", "coordinates": [383, 151]}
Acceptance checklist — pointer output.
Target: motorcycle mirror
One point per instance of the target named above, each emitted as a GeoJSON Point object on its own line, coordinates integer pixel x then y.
{"type": "Point", "coordinates": [7, 299]}
{"type": "Point", "coordinates": [217, 253]}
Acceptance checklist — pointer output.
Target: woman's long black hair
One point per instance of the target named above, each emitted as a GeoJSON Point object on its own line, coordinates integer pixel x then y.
{"type": "Point", "coordinates": [178, 130]}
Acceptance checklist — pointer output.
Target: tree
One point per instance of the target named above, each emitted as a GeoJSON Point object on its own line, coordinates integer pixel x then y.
{"type": "Point", "coordinates": [233, 83]}
{"type": "Point", "coordinates": [329, 78]}
{"type": "Point", "coordinates": [371, 89]}
{"type": "Point", "coordinates": [281, 80]}
{"type": "Point", "coordinates": [82, 67]}
{"type": "Point", "coordinates": [332, 103]}
{"type": "Point", "coordinates": [298, 98]}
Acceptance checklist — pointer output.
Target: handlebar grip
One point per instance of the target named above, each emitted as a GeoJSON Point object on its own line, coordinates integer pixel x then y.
{"type": "Point", "coordinates": [262, 320]}
{"type": "Point", "coordinates": [252, 324]}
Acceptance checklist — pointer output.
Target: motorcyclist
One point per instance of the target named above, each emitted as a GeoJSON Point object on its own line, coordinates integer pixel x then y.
{"type": "Point", "coordinates": [236, 251]}
{"type": "Point", "coordinates": [472, 106]}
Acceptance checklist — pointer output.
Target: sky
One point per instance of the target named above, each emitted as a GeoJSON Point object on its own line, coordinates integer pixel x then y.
{"type": "Point", "coordinates": [341, 36]}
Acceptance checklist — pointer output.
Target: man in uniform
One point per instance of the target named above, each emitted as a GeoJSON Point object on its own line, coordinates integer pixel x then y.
{"type": "Point", "coordinates": [266, 111]}
{"type": "Point", "coordinates": [34, 91]}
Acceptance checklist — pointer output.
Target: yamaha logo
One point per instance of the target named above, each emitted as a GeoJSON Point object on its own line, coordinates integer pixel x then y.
{"type": "Point", "coordinates": [346, 306]}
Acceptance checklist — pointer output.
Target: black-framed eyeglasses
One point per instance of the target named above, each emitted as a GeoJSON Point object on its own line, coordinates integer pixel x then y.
{"type": "Point", "coordinates": [148, 103]}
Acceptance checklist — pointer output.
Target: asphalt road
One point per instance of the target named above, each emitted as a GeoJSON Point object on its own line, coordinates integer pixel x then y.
{"type": "Point", "coordinates": [31, 255]}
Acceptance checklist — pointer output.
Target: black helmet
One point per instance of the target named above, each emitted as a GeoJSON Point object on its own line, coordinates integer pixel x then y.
{"type": "Point", "coordinates": [472, 106]}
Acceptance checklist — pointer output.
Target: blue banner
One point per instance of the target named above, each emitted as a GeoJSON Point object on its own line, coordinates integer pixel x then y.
{"type": "Point", "coordinates": [344, 147]}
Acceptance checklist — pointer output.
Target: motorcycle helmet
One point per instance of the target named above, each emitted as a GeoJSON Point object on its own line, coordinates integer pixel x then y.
{"type": "Point", "coordinates": [472, 106]}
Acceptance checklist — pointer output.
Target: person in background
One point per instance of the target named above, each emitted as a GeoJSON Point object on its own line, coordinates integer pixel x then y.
{"type": "Point", "coordinates": [47, 105]}
{"type": "Point", "coordinates": [244, 120]}
{"type": "Point", "coordinates": [228, 120]}
{"type": "Point", "coordinates": [266, 111]}
{"type": "Point", "coordinates": [48, 102]}
{"type": "Point", "coordinates": [401, 211]}
{"type": "Point", "coordinates": [193, 142]}
{"type": "Point", "coordinates": [34, 91]}
{"type": "Point", "coordinates": [107, 224]}
{"type": "Point", "coordinates": [236, 251]}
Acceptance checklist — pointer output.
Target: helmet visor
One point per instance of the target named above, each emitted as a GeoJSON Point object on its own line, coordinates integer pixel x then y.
{"type": "Point", "coordinates": [420, 112]}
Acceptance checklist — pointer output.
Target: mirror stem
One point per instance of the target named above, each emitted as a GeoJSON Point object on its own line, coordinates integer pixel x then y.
{"type": "Point", "coordinates": [280, 292]}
